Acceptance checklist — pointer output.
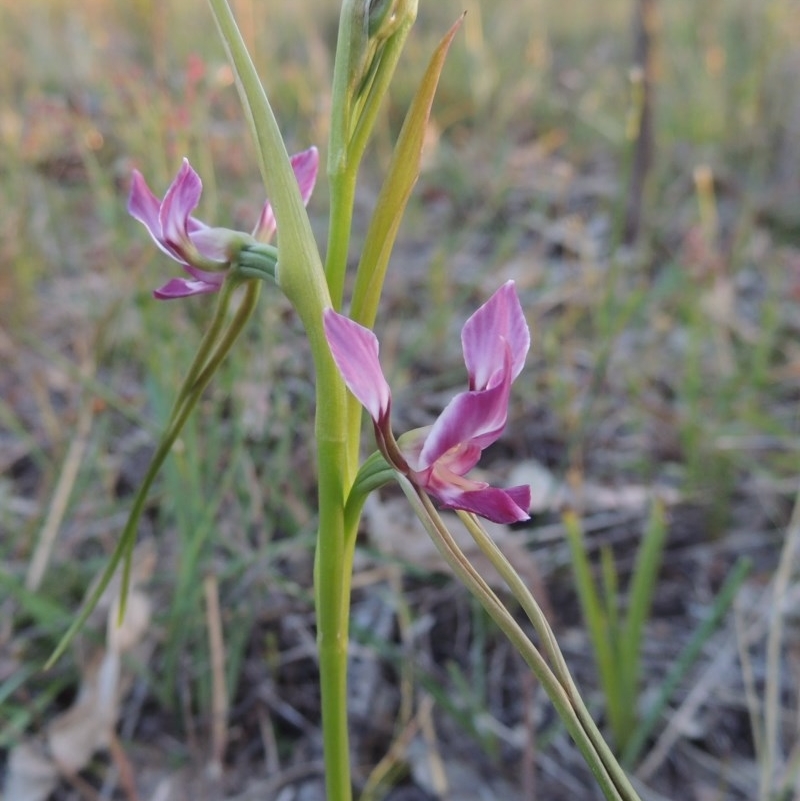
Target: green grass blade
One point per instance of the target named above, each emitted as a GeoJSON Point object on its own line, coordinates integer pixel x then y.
{"type": "Point", "coordinates": [596, 620]}
{"type": "Point", "coordinates": [640, 596]}
{"type": "Point", "coordinates": [686, 659]}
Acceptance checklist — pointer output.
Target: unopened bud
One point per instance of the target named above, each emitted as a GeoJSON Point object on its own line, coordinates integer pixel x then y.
{"type": "Point", "coordinates": [371, 34]}
{"type": "Point", "coordinates": [385, 16]}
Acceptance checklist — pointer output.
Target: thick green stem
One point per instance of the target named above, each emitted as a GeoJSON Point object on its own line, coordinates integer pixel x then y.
{"type": "Point", "coordinates": [332, 591]}
{"type": "Point", "coordinates": [301, 277]}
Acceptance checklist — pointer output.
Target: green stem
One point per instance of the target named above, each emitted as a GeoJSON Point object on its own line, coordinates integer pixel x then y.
{"type": "Point", "coordinates": [301, 277]}
{"type": "Point", "coordinates": [476, 584]}
{"type": "Point", "coordinates": [332, 574]}
{"type": "Point", "coordinates": [554, 654]}
{"type": "Point", "coordinates": [342, 181]}
{"type": "Point", "coordinates": [213, 348]}
{"type": "Point", "coordinates": [200, 373]}
{"type": "Point", "coordinates": [519, 590]}
{"type": "Point", "coordinates": [192, 390]}
{"type": "Point", "coordinates": [201, 357]}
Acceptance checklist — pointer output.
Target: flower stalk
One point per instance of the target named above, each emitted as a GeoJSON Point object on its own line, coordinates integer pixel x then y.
{"type": "Point", "coordinates": [302, 279]}
{"type": "Point", "coordinates": [612, 788]}
{"type": "Point", "coordinates": [214, 347]}
{"type": "Point", "coordinates": [556, 659]}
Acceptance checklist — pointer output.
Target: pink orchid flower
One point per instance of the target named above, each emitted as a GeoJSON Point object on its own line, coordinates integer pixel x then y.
{"type": "Point", "coordinates": [201, 250]}
{"type": "Point", "coordinates": [495, 341]}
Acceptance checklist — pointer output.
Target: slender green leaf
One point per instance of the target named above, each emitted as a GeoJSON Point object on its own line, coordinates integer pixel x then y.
{"type": "Point", "coordinates": [640, 596]}
{"type": "Point", "coordinates": [44, 611]}
{"type": "Point", "coordinates": [596, 620]}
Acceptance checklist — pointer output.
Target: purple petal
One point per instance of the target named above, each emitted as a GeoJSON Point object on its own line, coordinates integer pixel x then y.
{"type": "Point", "coordinates": [521, 495]}
{"type": "Point", "coordinates": [183, 288]}
{"type": "Point", "coordinates": [206, 276]}
{"type": "Point", "coordinates": [144, 206]}
{"type": "Point", "coordinates": [355, 351]}
{"type": "Point", "coordinates": [497, 505]}
{"type": "Point", "coordinates": [475, 417]}
{"type": "Point", "coordinates": [305, 165]}
{"type": "Point", "coordinates": [456, 492]}
{"type": "Point", "coordinates": [179, 202]}
{"type": "Point", "coordinates": [499, 320]}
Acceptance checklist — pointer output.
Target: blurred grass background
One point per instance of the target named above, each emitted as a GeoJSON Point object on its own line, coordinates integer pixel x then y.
{"type": "Point", "coordinates": [672, 360]}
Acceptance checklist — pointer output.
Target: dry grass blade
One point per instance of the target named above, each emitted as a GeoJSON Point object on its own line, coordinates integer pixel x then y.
{"type": "Point", "coordinates": [772, 759]}
{"type": "Point", "coordinates": [66, 481]}
{"type": "Point", "coordinates": [219, 691]}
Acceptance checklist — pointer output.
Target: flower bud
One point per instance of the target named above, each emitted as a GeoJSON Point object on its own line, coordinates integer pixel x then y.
{"type": "Point", "coordinates": [385, 16]}
{"type": "Point", "coordinates": [371, 35]}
